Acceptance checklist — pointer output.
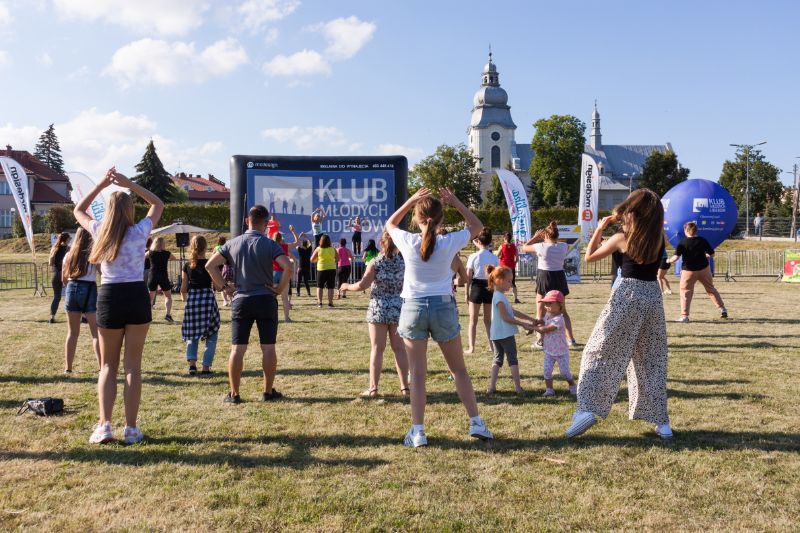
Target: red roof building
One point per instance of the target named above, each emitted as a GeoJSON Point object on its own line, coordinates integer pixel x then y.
{"type": "Point", "coordinates": [202, 190]}
{"type": "Point", "coordinates": [47, 187]}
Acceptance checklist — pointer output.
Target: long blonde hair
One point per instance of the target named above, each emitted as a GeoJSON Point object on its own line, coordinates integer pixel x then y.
{"type": "Point", "coordinates": [428, 214]}
{"type": "Point", "coordinates": [77, 261]}
{"type": "Point", "coordinates": [158, 244]}
{"type": "Point", "coordinates": [387, 245]}
{"type": "Point", "coordinates": [196, 248]}
{"type": "Point", "coordinates": [118, 218]}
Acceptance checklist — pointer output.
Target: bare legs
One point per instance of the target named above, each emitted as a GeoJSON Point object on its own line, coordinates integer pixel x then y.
{"type": "Point", "coordinates": [269, 363]}
{"type": "Point", "coordinates": [319, 296]}
{"type": "Point", "coordinates": [167, 300]}
{"type": "Point", "coordinates": [474, 312]}
{"type": "Point", "coordinates": [286, 304]}
{"type": "Point", "coordinates": [663, 282]}
{"type": "Point", "coordinates": [111, 346]}
{"type": "Point", "coordinates": [73, 331]}
{"type": "Point", "coordinates": [377, 335]}
{"type": "Point", "coordinates": [418, 361]}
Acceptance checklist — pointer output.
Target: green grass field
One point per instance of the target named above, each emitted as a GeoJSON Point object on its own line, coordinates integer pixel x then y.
{"type": "Point", "coordinates": [323, 460]}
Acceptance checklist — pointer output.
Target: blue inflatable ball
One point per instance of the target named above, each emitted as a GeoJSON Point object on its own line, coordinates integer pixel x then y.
{"type": "Point", "coordinates": [704, 202]}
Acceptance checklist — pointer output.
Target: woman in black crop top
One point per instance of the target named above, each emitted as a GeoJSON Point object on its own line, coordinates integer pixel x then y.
{"type": "Point", "coordinates": [695, 251]}
{"type": "Point", "coordinates": [631, 327]}
{"type": "Point", "coordinates": [200, 314]}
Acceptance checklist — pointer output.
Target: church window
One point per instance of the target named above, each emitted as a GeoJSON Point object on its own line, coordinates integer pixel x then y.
{"type": "Point", "coordinates": [495, 156]}
{"type": "Point", "coordinates": [495, 136]}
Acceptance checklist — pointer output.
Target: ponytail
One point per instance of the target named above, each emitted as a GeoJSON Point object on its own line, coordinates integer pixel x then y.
{"type": "Point", "coordinates": [495, 274]}
{"type": "Point", "coordinates": [428, 214]}
{"type": "Point", "coordinates": [428, 240]}
{"type": "Point", "coordinates": [552, 230]}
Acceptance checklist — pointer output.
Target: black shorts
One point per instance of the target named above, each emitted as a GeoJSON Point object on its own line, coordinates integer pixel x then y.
{"type": "Point", "coordinates": [479, 292]}
{"type": "Point", "coordinates": [344, 274]}
{"type": "Point", "coordinates": [356, 237]}
{"type": "Point", "coordinates": [261, 309]}
{"type": "Point", "coordinates": [664, 265]}
{"type": "Point", "coordinates": [159, 280]}
{"type": "Point", "coordinates": [123, 304]}
{"type": "Point", "coordinates": [326, 279]}
{"type": "Point", "coordinates": [551, 280]}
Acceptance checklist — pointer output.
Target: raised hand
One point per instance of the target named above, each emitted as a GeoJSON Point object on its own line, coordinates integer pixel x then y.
{"type": "Point", "coordinates": [424, 192]}
{"type": "Point", "coordinates": [606, 222]}
{"type": "Point", "coordinates": [122, 180]}
{"type": "Point", "coordinates": [447, 196]}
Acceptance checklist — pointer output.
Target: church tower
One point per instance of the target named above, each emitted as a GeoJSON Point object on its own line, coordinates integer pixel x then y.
{"type": "Point", "coordinates": [491, 130]}
{"type": "Point", "coordinates": [595, 140]}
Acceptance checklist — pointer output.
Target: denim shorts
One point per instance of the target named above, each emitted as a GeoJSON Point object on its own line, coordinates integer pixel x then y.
{"type": "Point", "coordinates": [81, 297]}
{"type": "Point", "coordinates": [277, 276]}
{"type": "Point", "coordinates": [434, 316]}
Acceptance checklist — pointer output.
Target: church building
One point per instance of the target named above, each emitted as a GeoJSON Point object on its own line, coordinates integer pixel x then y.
{"type": "Point", "coordinates": [491, 139]}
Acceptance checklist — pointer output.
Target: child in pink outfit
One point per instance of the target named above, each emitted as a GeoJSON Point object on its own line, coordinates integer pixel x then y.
{"type": "Point", "coordinates": [554, 342]}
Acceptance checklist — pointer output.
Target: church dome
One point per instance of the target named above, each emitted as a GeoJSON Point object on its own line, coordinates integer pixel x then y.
{"type": "Point", "coordinates": [492, 96]}
{"type": "Point", "coordinates": [489, 67]}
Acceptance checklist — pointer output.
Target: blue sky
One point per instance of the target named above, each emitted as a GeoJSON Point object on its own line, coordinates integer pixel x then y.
{"type": "Point", "coordinates": [209, 79]}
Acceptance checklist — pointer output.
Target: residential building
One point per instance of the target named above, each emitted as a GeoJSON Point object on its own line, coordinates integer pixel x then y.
{"type": "Point", "coordinates": [202, 190]}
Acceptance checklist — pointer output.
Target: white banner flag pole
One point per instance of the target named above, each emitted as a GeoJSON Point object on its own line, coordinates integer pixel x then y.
{"type": "Point", "coordinates": [588, 199]}
{"type": "Point", "coordinates": [82, 184]}
{"type": "Point", "coordinates": [517, 201]}
{"type": "Point", "coordinates": [18, 181]}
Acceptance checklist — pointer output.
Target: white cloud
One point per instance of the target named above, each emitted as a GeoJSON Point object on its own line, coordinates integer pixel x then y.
{"type": "Point", "coordinates": [271, 36]}
{"type": "Point", "coordinates": [318, 138]}
{"type": "Point", "coordinates": [20, 138]}
{"type": "Point", "coordinates": [303, 63]}
{"type": "Point", "coordinates": [172, 17]}
{"type": "Point", "coordinates": [93, 141]}
{"type": "Point", "coordinates": [164, 63]}
{"type": "Point", "coordinates": [395, 149]}
{"type": "Point", "coordinates": [78, 74]}
{"type": "Point", "coordinates": [5, 14]}
{"type": "Point", "coordinates": [255, 14]}
{"type": "Point", "coordinates": [345, 36]}
{"type": "Point", "coordinates": [5, 59]}
{"type": "Point", "coordinates": [44, 59]}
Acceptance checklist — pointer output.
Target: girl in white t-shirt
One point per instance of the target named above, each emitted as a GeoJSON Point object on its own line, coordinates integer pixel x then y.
{"type": "Point", "coordinates": [550, 275]}
{"type": "Point", "coordinates": [123, 304]}
{"type": "Point", "coordinates": [429, 308]}
{"type": "Point", "coordinates": [479, 294]}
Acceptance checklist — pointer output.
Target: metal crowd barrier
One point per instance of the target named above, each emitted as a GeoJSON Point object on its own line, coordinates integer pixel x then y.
{"type": "Point", "coordinates": [595, 271]}
{"type": "Point", "coordinates": [19, 276]}
{"type": "Point", "coordinates": [751, 263]}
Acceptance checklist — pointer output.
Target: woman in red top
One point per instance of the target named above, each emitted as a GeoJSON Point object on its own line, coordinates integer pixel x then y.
{"type": "Point", "coordinates": [508, 258]}
{"type": "Point", "coordinates": [273, 226]}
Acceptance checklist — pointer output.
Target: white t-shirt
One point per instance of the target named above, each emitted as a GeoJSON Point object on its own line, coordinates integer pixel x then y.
{"type": "Point", "coordinates": [479, 261]}
{"type": "Point", "coordinates": [432, 277]}
{"type": "Point", "coordinates": [129, 264]}
{"type": "Point", "coordinates": [500, 329]}
{"type": "Point", "coordinates": [91, 271]}
{"type": "Point", "coordinates": [551, 255]}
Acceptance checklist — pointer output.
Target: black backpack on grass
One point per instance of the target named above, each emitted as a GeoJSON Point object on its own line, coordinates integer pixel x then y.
{"type": "Point", "coordinates": [42, 406]}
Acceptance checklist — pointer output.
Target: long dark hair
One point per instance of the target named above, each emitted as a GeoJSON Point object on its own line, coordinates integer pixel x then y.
{"type": "Point", "coordinates": [642, 216]}
{"type": "Point", "coordinates": [62, 240]}
{"type": "Point", "coordinates": [371, 246]}
{"type": "Point", "coordinates": [325, 241]}
{"type": "Point", "coordinates": [77, 262]}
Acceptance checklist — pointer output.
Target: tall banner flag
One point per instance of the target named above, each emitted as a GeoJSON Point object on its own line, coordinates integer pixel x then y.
{"type": "Point", "coordinates": [82, 184]}
{"type": "Point", "coordinates": [18, 181]}
{"type": "Point", "coordinates": [517, 200]}
{"type": "Point", "coordinates": [588, 199]}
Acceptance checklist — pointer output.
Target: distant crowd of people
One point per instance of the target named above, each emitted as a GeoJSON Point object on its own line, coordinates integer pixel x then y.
{"type": "Point", "coordinates": [412, 278]}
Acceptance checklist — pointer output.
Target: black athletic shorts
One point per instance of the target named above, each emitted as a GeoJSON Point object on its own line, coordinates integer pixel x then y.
{"type": "Point", "coordinates": [344, 274]}
{"type": "Point", "coordinates": [122, 304]}
{"type": "Point", "coordinates": [479, 292]}
{"type": "Point", "coordinates": [326, 279]}
{"type": "Point", "coordinates": [261, 309]}
{"type": "Point", "coordinates": [159, 280]}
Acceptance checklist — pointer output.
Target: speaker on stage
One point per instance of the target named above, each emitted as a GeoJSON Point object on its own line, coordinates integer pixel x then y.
{"type": "Point", "coordinates": [182, 240]}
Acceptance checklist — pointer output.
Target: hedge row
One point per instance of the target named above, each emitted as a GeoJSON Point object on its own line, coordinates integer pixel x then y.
{"type": "Point", "coordinates": [498, 221]}
{"type": "Point", "coordinates": [215, 216]}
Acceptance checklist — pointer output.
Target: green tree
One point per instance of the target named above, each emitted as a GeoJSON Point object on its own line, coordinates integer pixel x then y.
{"type": "Point", "coordinates": [495, 197]}
{"type": "Point", "coordinates": [453, 167]}
{"type": "Point", "coordinates": [48, 151]}
{"type": "Point", "coordinates": [555, 169]}
{"type": "Point", "coordinates": [765, 184]}
{"type": "Point", "coordinates": [662, 171]}
{"type": "Point", "coordinates": [153, 177]}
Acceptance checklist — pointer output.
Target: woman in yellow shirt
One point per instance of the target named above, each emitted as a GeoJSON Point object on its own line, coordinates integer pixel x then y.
{"type": "Point", "coordinates": [325, 258]}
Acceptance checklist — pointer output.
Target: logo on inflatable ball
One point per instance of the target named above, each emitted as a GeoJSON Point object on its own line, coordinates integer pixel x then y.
{"type": "Point", "coordinates": [587, 215]}
{"type": "Point", "coordinates": [706, 203]}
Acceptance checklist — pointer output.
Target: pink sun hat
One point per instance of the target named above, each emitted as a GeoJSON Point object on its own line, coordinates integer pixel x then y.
{"type": "Point", "coordinates": [553, 296]}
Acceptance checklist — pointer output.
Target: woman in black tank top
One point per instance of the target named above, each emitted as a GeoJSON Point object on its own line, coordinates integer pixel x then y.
{"type": "Point", "coordinates": [631, 328]}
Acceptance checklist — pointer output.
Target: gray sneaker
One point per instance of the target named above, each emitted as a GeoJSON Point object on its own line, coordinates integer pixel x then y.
{"type": "Point", "coordinates": [415, 440]}
{"type": "Point", "coordinates": [480, 431]}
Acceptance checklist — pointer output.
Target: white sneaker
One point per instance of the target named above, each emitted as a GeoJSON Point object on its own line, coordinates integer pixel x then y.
{"type": "Point", "coordinates": [664, 431]}
{"type": "Point", "coordinates": [133, 435]}
{"type": "Point", "coordinates": [683, 320]}
{"type": "Point", "coordinates": [102, 434]}
{"type": "Point", "coordinates": [415, 440]}
{"type": "Point", "coordinates": [581, 421]}
{"type": "Point", "coordinates": [549, 393]}
{"type": "Point", "coordinates": [479, 430]}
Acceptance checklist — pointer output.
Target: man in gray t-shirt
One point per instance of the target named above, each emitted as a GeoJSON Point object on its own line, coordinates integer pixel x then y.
{"type": "Point", "coordinates": [251, 255]}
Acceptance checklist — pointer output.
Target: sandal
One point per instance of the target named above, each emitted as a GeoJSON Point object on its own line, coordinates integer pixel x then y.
{"type": "Point", "coordinates": [369, 393]}
{"type": "Point", "coordinates": [405, 391]}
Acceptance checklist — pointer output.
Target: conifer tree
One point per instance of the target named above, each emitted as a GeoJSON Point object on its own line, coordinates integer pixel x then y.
{"type": "Point", "coordinates": [48, 150]}
{"type": "Point", "coordinates": [153, 177]}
